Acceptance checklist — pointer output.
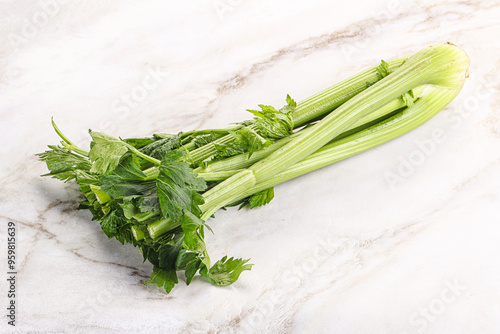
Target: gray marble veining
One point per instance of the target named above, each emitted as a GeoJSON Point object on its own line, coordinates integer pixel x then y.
{"type": "Point", "coordinates": [365, 252]}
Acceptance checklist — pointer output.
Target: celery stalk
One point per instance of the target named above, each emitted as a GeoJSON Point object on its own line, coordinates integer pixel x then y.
{"type": "Point", "coordinates": [437, 72]}
{"type": "Point", "coordinates": [312, 107]}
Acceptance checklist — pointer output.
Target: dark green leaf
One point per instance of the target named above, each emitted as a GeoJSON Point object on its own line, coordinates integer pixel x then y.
{"type": "Point", "coordinates": [118, 187]}
{"type": "Point", "coordinates": [168, 253]}
{"type": "Point", "coordinates": [129, 168]}
{"type": "Point", "coordinates": [150, 254]}
{"type": "Point", "coordinates": [126, 179]}
{"type": "Point", "coordinates": [159, 148]}
{"type": "Point", "coordinates": [202, 140]}
{"type": "Point", "coordinates": [190, 262]}
{"type": "Point", "coordinates": [110, 224]}
{"type": "Point", "coordinates": [191, 269]}
{"type": "Point", "coordinates": [149, 201]}
{"type": "Point", "coordinates": [125, 235]}
{"type": "Point", "coordinates": [163, 279]}
{"type": "Point", "coordinates": [261, 198]}
{"type": "Point", "coordinates": [184, 258]}
{"type": "Point", "coordinates": [193, 233]}
{"type": "Point", "coordinates": [177, 187]}
{"type": "Point", "coordinates": [138, 142]}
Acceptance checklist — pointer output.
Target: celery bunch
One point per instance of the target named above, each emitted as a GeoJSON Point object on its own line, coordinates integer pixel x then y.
{"type": "Point", "coordinates": [158, 192]}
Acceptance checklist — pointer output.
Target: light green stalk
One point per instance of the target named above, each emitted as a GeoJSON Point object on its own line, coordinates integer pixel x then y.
{"type": "Point", "coordinates": [66, 143]}
{"type": "Point", "coordinates": [441, 69]}
{"type": "Point", "coordinates": [429, 66]}
{"type": "Point", "coordinates": [311, 108]}
{"type": "Point", "coordinates": [433, 100]}
{"type": "Point", "coordinates": [425, 108]}
{"type": "Point", "coordinates": [241, 161]}
{"type": "Point", "coordinates": [138, 234]}
{"type": "Point", "coordinates": [162, 226]}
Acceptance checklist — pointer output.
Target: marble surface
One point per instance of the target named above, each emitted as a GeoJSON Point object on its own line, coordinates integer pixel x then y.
{"type": "Point", "coordinates": [342, 250]}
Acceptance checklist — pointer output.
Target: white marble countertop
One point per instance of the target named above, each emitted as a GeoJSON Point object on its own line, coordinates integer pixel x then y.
{"type": "Point", "coordinates": [341, 250]}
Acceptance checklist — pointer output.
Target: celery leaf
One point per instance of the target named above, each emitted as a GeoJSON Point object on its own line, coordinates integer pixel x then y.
{"type": "Point", "coordinates": [226, 271]}
{"type": "Point", "coordinates": [177, 187]}
{"type": "Point", "coordinates": [106, 152]}
{"type": "Point", "coordinates": [165, 279]}
{"type": "Point", "coordinates": [63, 164]}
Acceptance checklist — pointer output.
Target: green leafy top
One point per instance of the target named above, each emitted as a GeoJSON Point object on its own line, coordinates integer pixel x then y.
{"type": "Point", "coordinates": [259, 199]}
{"type": "Point", "coordinates": [290, 105]}
{"type": "Point", "coordinates": [186, 250]}
{"type": "Point", "coordinates": [177, 187]}
{"type": "Point", "coordinates": [139, 142]}
{"type": "Point", "coordinates": [63, 164]}
{"type": "Point", "coordinates": [250, 140]}
{"type": "Point", "coordinates": [273, 123]}
{"type": "Point", "coordinates": [226, 271]}
{"type": "Point", "coordinates": [160, 147]}
{"type": "Point", "coordinates": [106, 152]}
{"type": "Point", "coordinates": [207, 138]}
{"type": "Point", "coordinates": [127, 179]}
{"type": "Point", "coordinates": [125, 197]}
{"type": "Point", "coordinates": [245, 140]}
